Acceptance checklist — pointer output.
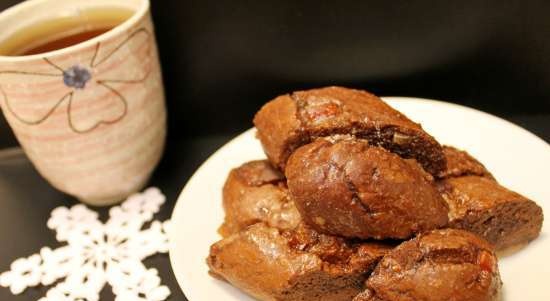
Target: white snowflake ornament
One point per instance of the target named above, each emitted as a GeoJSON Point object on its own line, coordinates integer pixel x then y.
{"type": "Point", "coordinates": [97, 254]}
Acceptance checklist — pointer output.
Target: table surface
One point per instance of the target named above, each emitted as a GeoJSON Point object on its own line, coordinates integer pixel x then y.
{"type": "Point", "coordinates": [27, 200]}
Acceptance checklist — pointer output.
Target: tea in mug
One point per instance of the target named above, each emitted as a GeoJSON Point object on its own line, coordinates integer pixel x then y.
{"type": "Point", "coordinates": [64, 31]}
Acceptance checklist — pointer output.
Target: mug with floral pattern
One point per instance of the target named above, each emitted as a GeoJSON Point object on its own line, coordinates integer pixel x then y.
{"type": "Point", "coordinates": [91, 117]}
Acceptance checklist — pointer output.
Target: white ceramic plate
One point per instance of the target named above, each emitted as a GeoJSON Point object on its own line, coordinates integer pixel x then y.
{"type": "Point", "coordinates": [518, 159]}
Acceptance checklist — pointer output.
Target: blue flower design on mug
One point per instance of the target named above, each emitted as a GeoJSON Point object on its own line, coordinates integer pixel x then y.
{"type": "Point", "coordinates": [85, 85]}
{"type": "Point", "coordinates": [76, 77]}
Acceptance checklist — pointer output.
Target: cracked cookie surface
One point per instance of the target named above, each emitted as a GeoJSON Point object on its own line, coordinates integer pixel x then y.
{"type": "Point", "coordinates": [441, 265]}
{"type": "Point", "coordinates": [343, 186]}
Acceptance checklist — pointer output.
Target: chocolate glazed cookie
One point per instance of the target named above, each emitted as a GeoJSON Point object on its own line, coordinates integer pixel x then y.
{"type": "Point", "coordinates": [479, 204]}
{"type": "Point", "coordinates": [343, 186]}
{"type": "Point", "coordinates": [294, 265]}
{"type": "Point", "coordinates": [482, 206]}
{"type": "Point", "coordinates": [292, 120]}
{"type": "Point", "coordinates": [256, 192]}
{"type": "Point", "coordinates": [441, 265]}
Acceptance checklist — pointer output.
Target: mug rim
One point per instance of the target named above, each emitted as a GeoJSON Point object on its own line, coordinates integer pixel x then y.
{"type": "Point", "coordinates": [120, 28]}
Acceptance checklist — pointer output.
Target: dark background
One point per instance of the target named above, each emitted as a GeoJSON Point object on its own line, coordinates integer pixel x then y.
{"type": "Point", "coordinates": [223, 59]}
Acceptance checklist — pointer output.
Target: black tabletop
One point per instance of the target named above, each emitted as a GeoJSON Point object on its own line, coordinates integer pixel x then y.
{"type": "Point", "coordinates": [27, 200]}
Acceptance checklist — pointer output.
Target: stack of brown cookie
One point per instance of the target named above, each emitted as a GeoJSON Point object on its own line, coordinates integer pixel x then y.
{"type": "Point", "coordinates": [357, 202]}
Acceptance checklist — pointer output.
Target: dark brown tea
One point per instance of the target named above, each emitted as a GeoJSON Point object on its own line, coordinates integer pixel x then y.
{"type": "Point", "coordinates": [66, 41]}
{"type": "Point", "coordinates": [63, 32]}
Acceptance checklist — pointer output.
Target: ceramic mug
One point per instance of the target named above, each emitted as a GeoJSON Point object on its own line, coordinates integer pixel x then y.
{"type": "Point", "coordinates": [91, 117]}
